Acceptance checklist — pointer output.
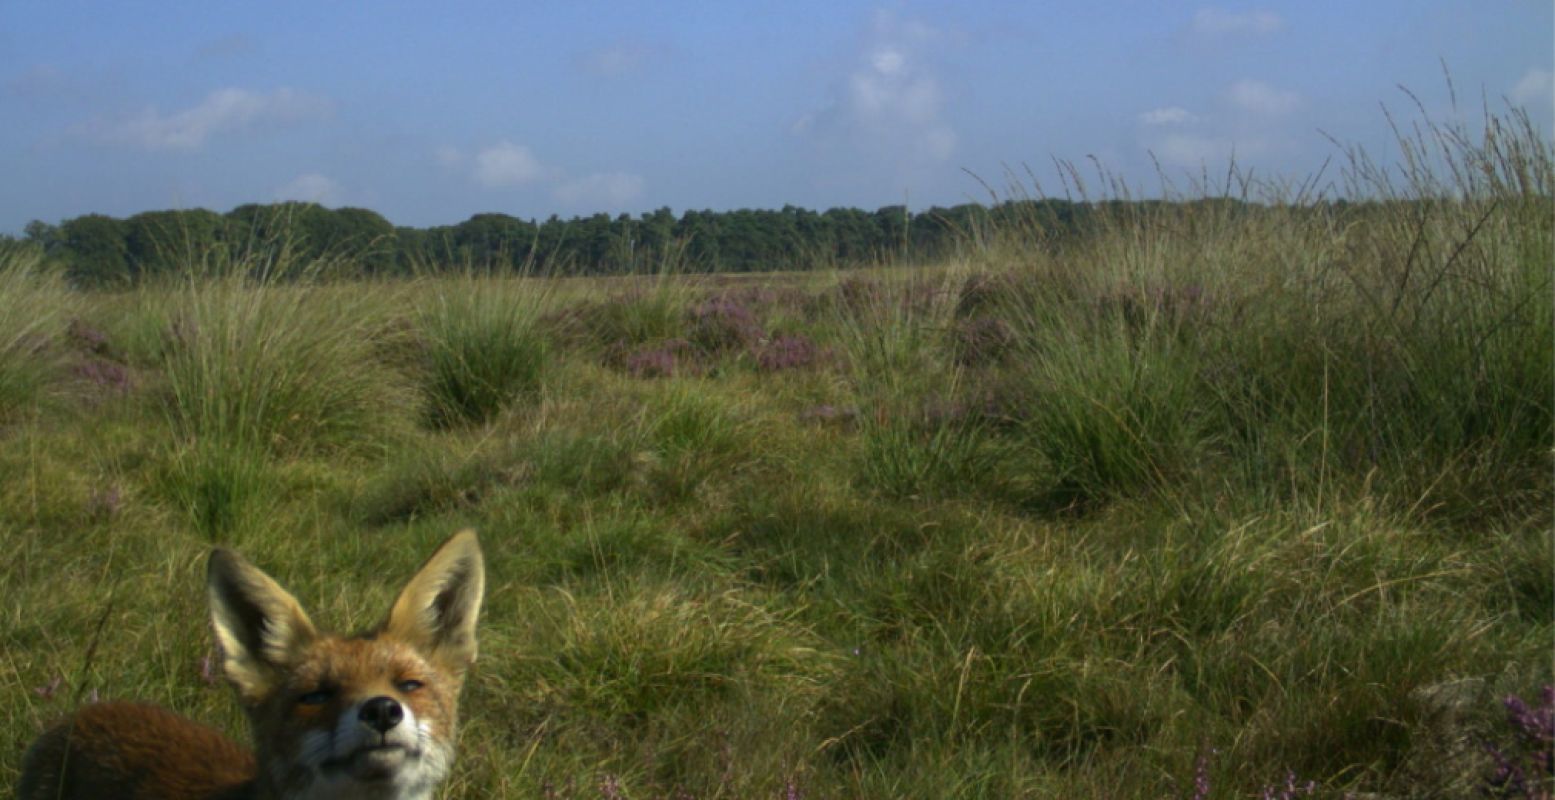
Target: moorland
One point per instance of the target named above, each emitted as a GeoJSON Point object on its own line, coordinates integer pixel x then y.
{"type": "Point", "coordinates": [1204, 499]}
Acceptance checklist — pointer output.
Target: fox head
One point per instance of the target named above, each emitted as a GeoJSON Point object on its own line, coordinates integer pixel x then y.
{"type": "Point", "coordinates": [371, 715]}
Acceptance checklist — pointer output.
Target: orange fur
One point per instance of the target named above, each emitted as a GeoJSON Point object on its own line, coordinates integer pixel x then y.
{"type": "Point", "coordinates": [368, 716]}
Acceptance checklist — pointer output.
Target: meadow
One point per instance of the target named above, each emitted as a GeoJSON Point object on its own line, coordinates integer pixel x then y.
{"type": "Point", "coordinates": [1217, 501]}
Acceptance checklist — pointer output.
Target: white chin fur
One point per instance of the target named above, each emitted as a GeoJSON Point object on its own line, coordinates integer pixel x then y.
{"type": "Point", "coordinates": [328, 759]}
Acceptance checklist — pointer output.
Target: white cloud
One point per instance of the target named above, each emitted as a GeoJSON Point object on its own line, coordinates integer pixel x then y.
{"type": "Point", "coordinates": [888, 61]}
{"type": "Point", "coordinates": [891, 102]}
{"type": "Point", "coordinates": [1536, 86]}
{"type": "Point", "coordinates": [887, 88]}
{"type": "Point", "coordinates": [1252, 126]}
{"type": "Point", "coordinates": [1218, 22]}
{"type": "Point", "coordinates": [1170, 115]}
{"type": "Point", "coordinates": [1193, 151]}
{"type": "Point", "coordinates": [619, 59]}
{"type": "Point", "coordinates": [1261, 98]}
{"type": "Point", "coordinates": [507, 164]}
{"type": "Point", "coordinates": [222, 111]}
{"type": "Point", "coordinates": [312, 188]}
{"type": "Point", "coordinates": [612, 190]}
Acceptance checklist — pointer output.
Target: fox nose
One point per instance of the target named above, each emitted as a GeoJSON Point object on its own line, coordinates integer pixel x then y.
{"type": "Point", "coordinates": [381, 714]}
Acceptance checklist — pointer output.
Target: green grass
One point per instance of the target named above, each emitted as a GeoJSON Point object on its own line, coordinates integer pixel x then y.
{"type": "Point", "coordinates": [484, 349]}
{"type": "Point", "coordinates": [275, 366]}
{"type": "Point", "coordinates": [1249, 491]}
{"type": "Point", "coordinates": [38, 304]}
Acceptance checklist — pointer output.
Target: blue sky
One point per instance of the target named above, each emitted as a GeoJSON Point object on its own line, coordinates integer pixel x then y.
{"type": "Point", "coordinates": [430, 112]}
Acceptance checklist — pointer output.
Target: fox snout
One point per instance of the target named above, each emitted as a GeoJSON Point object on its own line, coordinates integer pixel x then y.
{"type": "Point", "coordinates": [376, 740]}
{"type": "Point", "coordinates": [364, 717]}
{"type": "Point", "coordinates": [381, 714]}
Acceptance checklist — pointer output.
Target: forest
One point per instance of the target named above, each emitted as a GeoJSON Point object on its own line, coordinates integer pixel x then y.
{"type": "Point", "coordinates": [98, 251]}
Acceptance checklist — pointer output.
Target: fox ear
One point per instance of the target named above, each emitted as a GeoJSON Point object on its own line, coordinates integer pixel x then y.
{"type": "Point", "coordinates": [259, 626]}
{"type": "Point", "coordinates": [436, 611]}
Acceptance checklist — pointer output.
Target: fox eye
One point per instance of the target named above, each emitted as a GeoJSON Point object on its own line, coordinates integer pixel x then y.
{"type": "Point", "coordinates": [409, 685]}
{"type": "Point", "coordinates": [316, 697]}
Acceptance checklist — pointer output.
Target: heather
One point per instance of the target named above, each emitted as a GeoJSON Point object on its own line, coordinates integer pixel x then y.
{"type": "Point", "coordinates": [1203, 499]}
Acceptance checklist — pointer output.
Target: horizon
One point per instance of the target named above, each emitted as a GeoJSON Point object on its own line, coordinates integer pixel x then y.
{"type": "Point", "coordinates": [429, 118]}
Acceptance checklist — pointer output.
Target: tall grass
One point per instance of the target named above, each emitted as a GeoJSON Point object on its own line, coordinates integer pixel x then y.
{"type": "Point", "coordinates": [277, 366]}
{"type": "Point", "coordinates": [636, 311]}
{"type": "Point", "coordinates": [920, 426]}
{"type": "Point", "coordinates": [1402, 337]}
{"type": "Point", "coordinates": [258, 362]}
{"type": "Point", "coordinates": [484, 346]}
{"type": "Point", "coordinates": [35, 305]}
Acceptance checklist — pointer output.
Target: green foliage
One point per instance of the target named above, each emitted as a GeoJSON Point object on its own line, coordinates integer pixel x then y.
{"type": "Point", "coordinates": [484, 348]}
{"type": "Point", "coordinates": [103, 251]}
{"type": "Point", "coordinates": [35, 306]}
{"type": "Point", "coordinates": [941, 449]}
{"type": "Point", "coordinates": [163, 243]}
{"type": "Point", "coordinates": [673, 647]}
{"type": "Point", "coordinates": [648, 310]}
{"type": "Point", "coordinates": [1110, 414]}
{"type": "Point", "coordinates": [428, 479]}
{"type": "Point", "coordinates": [219, 488]}
{"type": "Point", "coordinates": [277, 368]}
{"type": "Point", "coordinates": [95, 250]}
{"type": "Point", "coordinates": [689, 437]}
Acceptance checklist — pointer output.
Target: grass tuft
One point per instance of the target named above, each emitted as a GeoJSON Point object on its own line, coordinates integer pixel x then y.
{"type": "Point", "coordinates": [280, 368]}
{"type": "Point", "coordinates": [485, 349]}
{"type": "Point", "coordinates": [35, 305]}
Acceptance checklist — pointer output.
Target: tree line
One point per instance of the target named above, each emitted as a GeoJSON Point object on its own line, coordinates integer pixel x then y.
{"type": "Point", "coordinates": [103, 251]}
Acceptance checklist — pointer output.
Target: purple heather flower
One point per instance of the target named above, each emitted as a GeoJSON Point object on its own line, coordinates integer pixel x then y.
{"type": "Point", "coordinates": [104, 503]}
{"type": "Point", "coordinates": [1290, 790]}
{"type": "Point", "coordinates": [1526, 767]}
{"type": "Point", "coordinates": [208, 670]}
{"type": "Point", "coordinates": [107, 375]}
{"type": "Point", "coordinates": [668, 358]}
{"type": "Point", "coordinates": [610, 788]}
{"type": "Point", "coordinates": [1201, 776]}
{"type": "Point", "coordinates": [1534, 726]}
{"type": "Point", "coordinates": [785, 352]}
{"type": "Point", "coordinates": [48, 690]}
{"type": "Point", "coordinates": [88, 338]}
{"type": "Point", "coordinates": [723, 323]}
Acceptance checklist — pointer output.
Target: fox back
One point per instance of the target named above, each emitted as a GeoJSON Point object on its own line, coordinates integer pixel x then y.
{"type": "Point", "coordinates": [352, 717]}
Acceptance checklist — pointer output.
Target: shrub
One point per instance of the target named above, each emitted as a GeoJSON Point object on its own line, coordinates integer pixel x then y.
{"type": "Point", "coordinates": [723, 324]}
{"type": "Point", "coordinates": [661, 360]}
{"type": "Point", "coordinates": [1524, 767]}
{"type": "Point", "coordinates": [787, 351]}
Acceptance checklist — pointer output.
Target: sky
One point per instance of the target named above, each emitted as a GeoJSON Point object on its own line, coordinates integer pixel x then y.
{"type": "Point", "coordinates": [431, 112]}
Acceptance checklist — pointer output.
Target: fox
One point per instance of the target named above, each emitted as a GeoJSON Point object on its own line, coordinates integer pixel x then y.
{"type": "Point", "coordinates": [370, 716]}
